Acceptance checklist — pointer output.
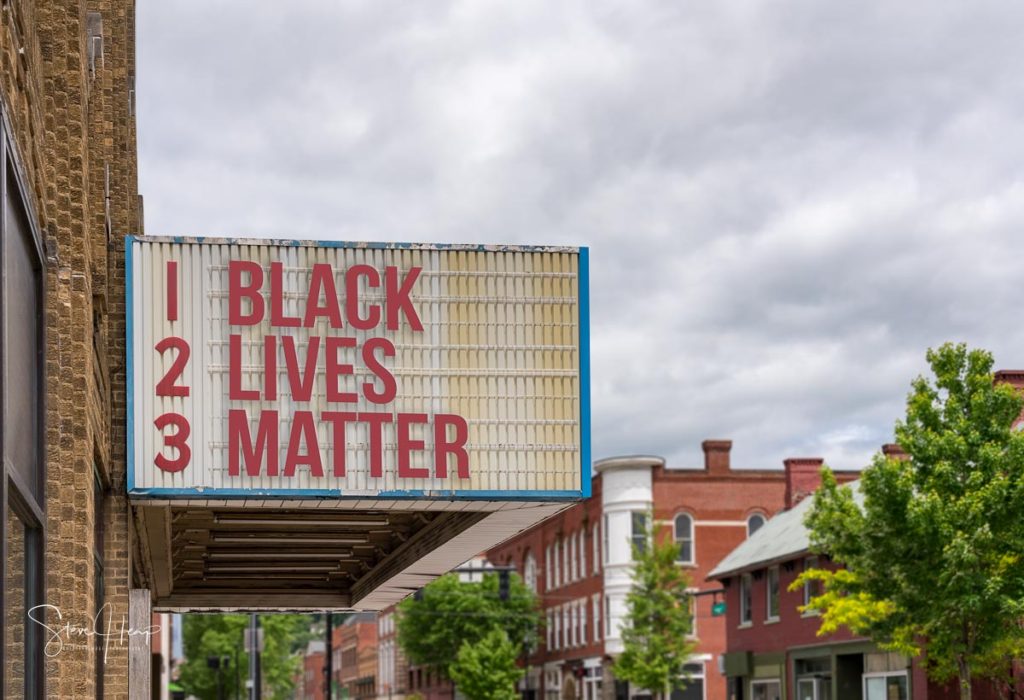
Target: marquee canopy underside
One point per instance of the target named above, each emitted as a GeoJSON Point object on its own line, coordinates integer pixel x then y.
{"type": "Point", "coordinates": [313, 555]}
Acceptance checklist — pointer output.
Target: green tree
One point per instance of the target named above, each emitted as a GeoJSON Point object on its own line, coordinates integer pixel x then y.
{"type": "Point", "coordinates": [487, 670]}
{"type": "Point", "coordinates": [655, 636]}
{"type": "Point", "coordinates": [450, 613]}
{"type": "Point", "coordinates": [221, 635]}
{"type": "Point", "coordinates": [933, 545]}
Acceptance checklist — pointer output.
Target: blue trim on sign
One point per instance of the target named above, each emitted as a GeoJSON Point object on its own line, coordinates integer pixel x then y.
{"type": "Point", "coordinates": [338, 494]}
{"type": "Point", "coordinates": [584, 294]}
{"type": "Point", "coordinates": [129, 312]}
{"type": "Point", "coordinates": [583, 281]}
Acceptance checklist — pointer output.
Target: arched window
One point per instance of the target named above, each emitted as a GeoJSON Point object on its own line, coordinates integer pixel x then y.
{"type": "Point", "coordinates": [530, 572]}
{"type": "Point", "coordinates": [684, 538]}
{"type": "Point", "coordinates": [754, 523]}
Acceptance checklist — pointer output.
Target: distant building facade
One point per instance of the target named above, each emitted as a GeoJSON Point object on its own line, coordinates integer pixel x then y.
{"type": "Point", "coordinates": [313, 663]}
{"type": "Point", "coordinates": [580, 560]}
{"type": "Point", "coordinates": [773, 651]}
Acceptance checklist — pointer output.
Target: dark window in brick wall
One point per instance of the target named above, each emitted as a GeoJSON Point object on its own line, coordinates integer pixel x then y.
{"type": "Point", "coordinates": [22, 381]}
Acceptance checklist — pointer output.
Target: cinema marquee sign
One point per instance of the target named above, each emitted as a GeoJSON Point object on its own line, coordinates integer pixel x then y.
{"type": "Point", "coordinates": [350, 370]}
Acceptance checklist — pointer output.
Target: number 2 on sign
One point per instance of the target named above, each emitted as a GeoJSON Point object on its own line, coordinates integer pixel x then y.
{"type": "Point", "coordinates": [168, 386]}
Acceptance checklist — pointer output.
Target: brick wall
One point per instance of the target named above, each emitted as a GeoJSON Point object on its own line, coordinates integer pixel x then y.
{"type": "Point", "coordinates": [72, 122]}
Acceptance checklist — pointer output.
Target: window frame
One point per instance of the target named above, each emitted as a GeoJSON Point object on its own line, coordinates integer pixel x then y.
{"type": "Point", "coordinates": [883, 674]}
{"type": "Point", "coordinates": [772, 573]}
{"type": "Point", "coordinates": [643, 536]}
{"type": "Point", "coordinates": [530, 571]}
{"type": "Point", "coordinates": [691, 540]}
{"type": "Point", "coordinates": [810, 562]}
{"type": "Point", "coordinates": [26, 500]}
{"type": "Point", "coordinates": [766, 681]}
{"type": "Point", "coordinates": [751, 517]}
{"type": "Point", "coordinates": [746, 606]}
{"type": "Point", "coordinates": [604, 540]}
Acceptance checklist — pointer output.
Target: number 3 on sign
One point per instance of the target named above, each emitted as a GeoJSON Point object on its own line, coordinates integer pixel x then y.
{"type": "Point", "coordinates": [178, 440]}
{"type": "Point", "coordinates": [168, 386]}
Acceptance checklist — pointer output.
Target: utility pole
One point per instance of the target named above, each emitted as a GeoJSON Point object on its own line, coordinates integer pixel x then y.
{"type": "Point", "coordinates": [329, 661]}
{"type": "Point", "coordinates": [254, 657]}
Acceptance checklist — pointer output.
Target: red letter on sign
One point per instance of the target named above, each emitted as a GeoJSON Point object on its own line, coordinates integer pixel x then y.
{"type": "Point", "coordinates": [406, 445]}
{"type": "Point", "coordinates": [376, 421]}
{"type": "Point", "coordinates": [322, 282]}
{"type": "Point", "coordinates": [352, 276]}
{"type": "Point", "coordinates": [235, 390]}
{"type": "Point", "coordinates": [301, 387]}
{"type": "Point", "coordinates": [339, 419]}
{"type": "Point", "coordinates": [397, 297]}
{"type": "Point", "coordinates": [303, 432]}
{"type": "Point", "coordinates": [277, 317]}
{"type": "Point", "coordinates": [270, 367]}
{"type": "Point", "coordinates": [240, 439]}
{"type": "Point", "coordinates": [336, 368]}
{"type": "Point", "coordinates": [457, 445]}
{"type": "Point", "coordinates": [382, 372]}
{"type": "Point", "coordinates": [251, 291]}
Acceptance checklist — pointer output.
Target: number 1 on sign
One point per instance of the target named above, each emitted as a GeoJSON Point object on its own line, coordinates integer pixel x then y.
{"type": "Point", "coordinates": [172, 290]}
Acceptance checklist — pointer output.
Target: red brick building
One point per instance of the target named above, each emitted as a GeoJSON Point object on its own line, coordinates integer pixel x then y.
{"type": "Point", "coordinates": [579, 562]}
{"type": "Point", "coordinates": [313, 671]}
{"type": "Point", "coordinates": [773, 650]}
{"type": "Point", "coordinates": [355, 661]}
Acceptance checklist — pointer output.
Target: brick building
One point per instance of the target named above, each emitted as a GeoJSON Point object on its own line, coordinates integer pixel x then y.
{"type": "Point", "coordinates": [357, 650]}
{"type": "Point", "coordinates": [579, 562]}
{"type": "Point", "coordinates": [313, 662]}
{"type": "Point", "coordinates": [773, 650]}
{"type": "Point", "coordinates": [67, 148]}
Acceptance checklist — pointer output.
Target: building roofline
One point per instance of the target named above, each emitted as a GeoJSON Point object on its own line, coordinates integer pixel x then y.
{"type": "Point", "coordinates": [627, 461]}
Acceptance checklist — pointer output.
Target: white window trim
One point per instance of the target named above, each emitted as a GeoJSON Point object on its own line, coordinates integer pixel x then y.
{"type": "Point", "coordinates": [565, 561]}
{"type": "Point", "coordinates": [693, 607]}
{"type": "Point", "coordinates": [547, 568]}
{"type": "Point", "coordinates": [596, 544]}
{"type": "Point", "coordinates": [604, 540]}
{"type": "Point", "coordinates": [584, 615]}
{"type": "Point", "coordinates": [558, 563]}
{"type": "Point", "coordinates": [607, 617]}
{"type": "Point", "coordinates": [881, 674]}
{"type": "Point", "coordinates": [768, 617]}
{"type": "Point", "coordinates": [573, 561]}
{"type": "Point", "coordinates": [596, 605]}
{"type": "Point", "coordinates": [748, 580]}
{"type": "Point", "coordinates": [810, 562]}
{"type": "Point", "coordinates": [692, 561]}
{"type": "Point", "coordinates": [582, 549]}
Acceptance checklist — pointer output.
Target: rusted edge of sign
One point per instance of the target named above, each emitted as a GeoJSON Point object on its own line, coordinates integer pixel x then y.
{"type": "Point", "coordinates": [371, 245]}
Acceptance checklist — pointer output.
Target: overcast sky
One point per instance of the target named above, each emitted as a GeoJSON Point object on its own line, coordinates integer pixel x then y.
{"type": "Point", "coordinates": [786, 202]}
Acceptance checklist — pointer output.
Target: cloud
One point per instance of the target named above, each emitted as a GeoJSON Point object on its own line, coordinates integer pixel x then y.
{"type": "Point", "coordinates": [787, 202]}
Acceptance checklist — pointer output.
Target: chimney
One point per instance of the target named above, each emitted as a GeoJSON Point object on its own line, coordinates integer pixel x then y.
{"type": "Point", "coordinates": [803, 477]}
{"type": "Point", "coordinates": [894, 451]}
{"type": "Point", "coordinates": [716, 456]}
